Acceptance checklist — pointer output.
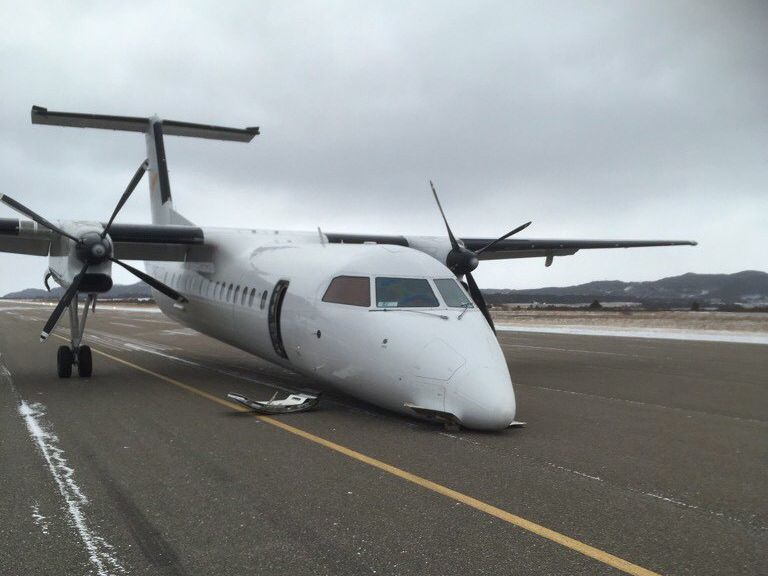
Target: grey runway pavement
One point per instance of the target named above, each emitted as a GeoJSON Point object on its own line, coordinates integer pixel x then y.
{"type": "Point", "coordinates": [653, 453]}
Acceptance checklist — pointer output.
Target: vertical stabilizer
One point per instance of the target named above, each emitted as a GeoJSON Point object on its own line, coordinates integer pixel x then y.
{"type": "Point", "coordinates": [160, 199]}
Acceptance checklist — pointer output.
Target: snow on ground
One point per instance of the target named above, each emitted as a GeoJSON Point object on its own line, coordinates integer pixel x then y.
{"type": "Point", "coordinates": [661, 333]}
{"type": "Point", "coordinates": [100, 305]}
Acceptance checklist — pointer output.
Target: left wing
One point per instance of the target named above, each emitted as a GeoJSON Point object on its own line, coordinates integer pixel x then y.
{"type": "Point", "coordinates": [439, 246]}
{"type": "Point", "coordinates": [549, 248]}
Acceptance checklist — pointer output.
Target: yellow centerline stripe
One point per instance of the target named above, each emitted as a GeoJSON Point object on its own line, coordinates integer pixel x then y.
{"type": "Point", "coordinates": [520, 522]}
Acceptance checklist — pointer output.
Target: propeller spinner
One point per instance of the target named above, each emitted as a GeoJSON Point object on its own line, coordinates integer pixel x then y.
{"type": "Point", "coordinates": [91, 249]}
{"type": "Point", "coordinates": [462, 261]}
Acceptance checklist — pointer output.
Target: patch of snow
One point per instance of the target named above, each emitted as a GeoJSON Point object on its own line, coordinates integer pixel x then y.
{"type": "Point", "coordinates": [657, 333]}
{"type": "Point", "coordinates": [39, 519]}
{"type": "Point", "coordinates": [100, 305]}
{"type": "Point", "coordinates": [100, 552]}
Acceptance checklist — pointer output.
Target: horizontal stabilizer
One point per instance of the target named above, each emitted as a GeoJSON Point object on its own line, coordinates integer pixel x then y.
{"type": "Point", "coordinates": [42, 115]}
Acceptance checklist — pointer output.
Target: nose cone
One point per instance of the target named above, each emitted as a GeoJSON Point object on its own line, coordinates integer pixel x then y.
{"type": "Point", "coordinates": [483, 398]}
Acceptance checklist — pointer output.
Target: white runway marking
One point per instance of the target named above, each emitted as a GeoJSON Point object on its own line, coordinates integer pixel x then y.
{"type": "Point", "coordinates": [568, 350]}
{"type": "Point", "coordinates": [149, 350]}
{"type": "Point", "coordinates": [659, 333]}
{"type": "Point", "coordinates": [123, 324]}
{"type": "Point", "coordinates": [181, 332]}
{"type": "Point", "coordinates": [100, 552]}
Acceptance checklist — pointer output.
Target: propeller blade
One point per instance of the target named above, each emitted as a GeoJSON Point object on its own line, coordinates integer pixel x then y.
{"type": "Point", "coordinates": [127, 194]}
{"type": "Point", "coordinates": [477, 296]}
{"type": "Point", "coordinates": [156, 284]}
{"type": "Point", "coordinates": [63, 303]}
{"type": "Point", "coordinates": [8, 201]}
{"type": "Point", "coordinates": [454, 243]}
{"type": "Point", "coordinates": [507, 235]}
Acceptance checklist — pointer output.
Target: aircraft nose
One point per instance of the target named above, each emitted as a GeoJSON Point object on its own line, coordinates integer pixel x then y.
{"type": "Point", "coordinates": [483, 398]}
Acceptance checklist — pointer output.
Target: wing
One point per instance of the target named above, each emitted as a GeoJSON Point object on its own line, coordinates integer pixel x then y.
{"type": "Point", "coordinates": [131, 241]}
{"type": "Point", "coordinates": [548, 248]}
{"type": "Point", "coordinates": [22, 237]}
{"type": "Point", "coordinates": [438, 246]}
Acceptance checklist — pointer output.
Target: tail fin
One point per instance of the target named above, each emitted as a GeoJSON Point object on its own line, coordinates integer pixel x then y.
{"type": "Point", "coordinates": [154, 129]}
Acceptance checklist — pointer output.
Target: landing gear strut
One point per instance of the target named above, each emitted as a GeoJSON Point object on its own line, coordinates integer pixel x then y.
{"type": "Point", "coordinates": [76, 354]}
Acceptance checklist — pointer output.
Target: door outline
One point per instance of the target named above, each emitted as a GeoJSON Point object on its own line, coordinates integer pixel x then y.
{"type": "Point", "coordinates": [275, 310]}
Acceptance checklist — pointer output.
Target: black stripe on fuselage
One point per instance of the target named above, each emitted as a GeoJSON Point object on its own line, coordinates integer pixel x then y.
{"type": "Point", "coordinates": [363, 238]}
{"type": "Point", "coordinates": [162, 165]}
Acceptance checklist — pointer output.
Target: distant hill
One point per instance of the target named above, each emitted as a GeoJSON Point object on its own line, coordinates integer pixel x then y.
{"type": "Point", "coordinates": [118, 291]}
{"type": "Point", "coordinates": [748, 288]}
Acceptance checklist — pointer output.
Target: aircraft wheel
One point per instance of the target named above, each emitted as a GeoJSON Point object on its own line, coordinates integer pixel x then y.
{"type": "Point", "coordinates": [84, 361]}
{"type": "Point", "coordinates": [64, 361]}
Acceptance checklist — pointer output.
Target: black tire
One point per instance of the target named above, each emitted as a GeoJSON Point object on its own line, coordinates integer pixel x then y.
{"type": "Point", "coordinates": [64, 361]}
{"type": "Point", "coordinates": [84, 361]}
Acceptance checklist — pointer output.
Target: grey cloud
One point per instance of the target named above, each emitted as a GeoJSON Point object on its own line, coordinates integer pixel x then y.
{"type": "Point", "coordinates": [598, 120]}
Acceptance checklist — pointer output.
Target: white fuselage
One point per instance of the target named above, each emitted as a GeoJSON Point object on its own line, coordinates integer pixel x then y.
{"type": "Point", "coordinates": [442, 358]}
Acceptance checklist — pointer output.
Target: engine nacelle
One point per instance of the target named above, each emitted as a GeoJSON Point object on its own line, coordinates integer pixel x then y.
{"type": "Point", "coordinates": [67, 258]}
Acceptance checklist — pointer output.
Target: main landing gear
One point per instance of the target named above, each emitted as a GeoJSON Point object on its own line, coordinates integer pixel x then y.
{"type": "Point", "coordinates": [76, 354]}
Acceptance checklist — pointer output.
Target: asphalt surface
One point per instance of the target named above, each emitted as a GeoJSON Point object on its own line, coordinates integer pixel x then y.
{"type": "Point", "coordinates": [653, 451]}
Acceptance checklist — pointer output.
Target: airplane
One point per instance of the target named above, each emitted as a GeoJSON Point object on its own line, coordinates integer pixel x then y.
{"type": "Point", "coordinates": [397, 321]}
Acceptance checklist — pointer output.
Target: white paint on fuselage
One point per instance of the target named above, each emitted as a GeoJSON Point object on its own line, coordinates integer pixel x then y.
{"type": "Point", "coordinates": [388, 358]}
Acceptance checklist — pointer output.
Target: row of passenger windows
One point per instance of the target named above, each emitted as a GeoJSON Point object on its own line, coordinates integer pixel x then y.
{"type": "Point", "coordinates": [396, 292]}
{"type": "Point", "coordinates": [244, 296]}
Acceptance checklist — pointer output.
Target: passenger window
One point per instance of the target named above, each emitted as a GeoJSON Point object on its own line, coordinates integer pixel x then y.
{"type": "Point", "coordinates": [237, 294]}
{"type": "Point", "coordinates": [221, 291]}
{"type": "Point", "coordinates": [245, 293]}
{"type": "Point", "coordinates": [352, 290]}
{"type": "Point", "coordinates": [452, 293]}
{"type": "Point", "coordinates": [404, 293]}
{"type": "Point", "coordinates": [263, 299]}
{"type": "Point", "coordinates": [251, 297]}
{"type": "Point", "coordinates": [229, 293]}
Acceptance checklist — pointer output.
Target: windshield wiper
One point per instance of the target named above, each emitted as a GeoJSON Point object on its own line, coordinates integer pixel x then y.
{"type": "Point", "coordinates": [441, 316]}
{"type": "Point", "coordinates": [466, 306]}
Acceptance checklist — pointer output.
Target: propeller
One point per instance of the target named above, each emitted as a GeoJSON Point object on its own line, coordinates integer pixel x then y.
{"type": "Point", "coordinates": [92, 249]}
{"type": "Point", "coordinates": [462, 261]}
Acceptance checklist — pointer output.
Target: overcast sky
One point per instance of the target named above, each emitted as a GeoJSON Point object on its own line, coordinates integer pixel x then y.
{"type": "Point", "coordinates": [595, 120]}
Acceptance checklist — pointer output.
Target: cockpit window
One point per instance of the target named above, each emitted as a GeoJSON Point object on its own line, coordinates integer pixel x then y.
{"type": "Point", "coordinates": [452, 293]}
{"type": "Point", "coordinates": [404, 293]}
{"type": "Point", "coordinates": [352, 290]}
